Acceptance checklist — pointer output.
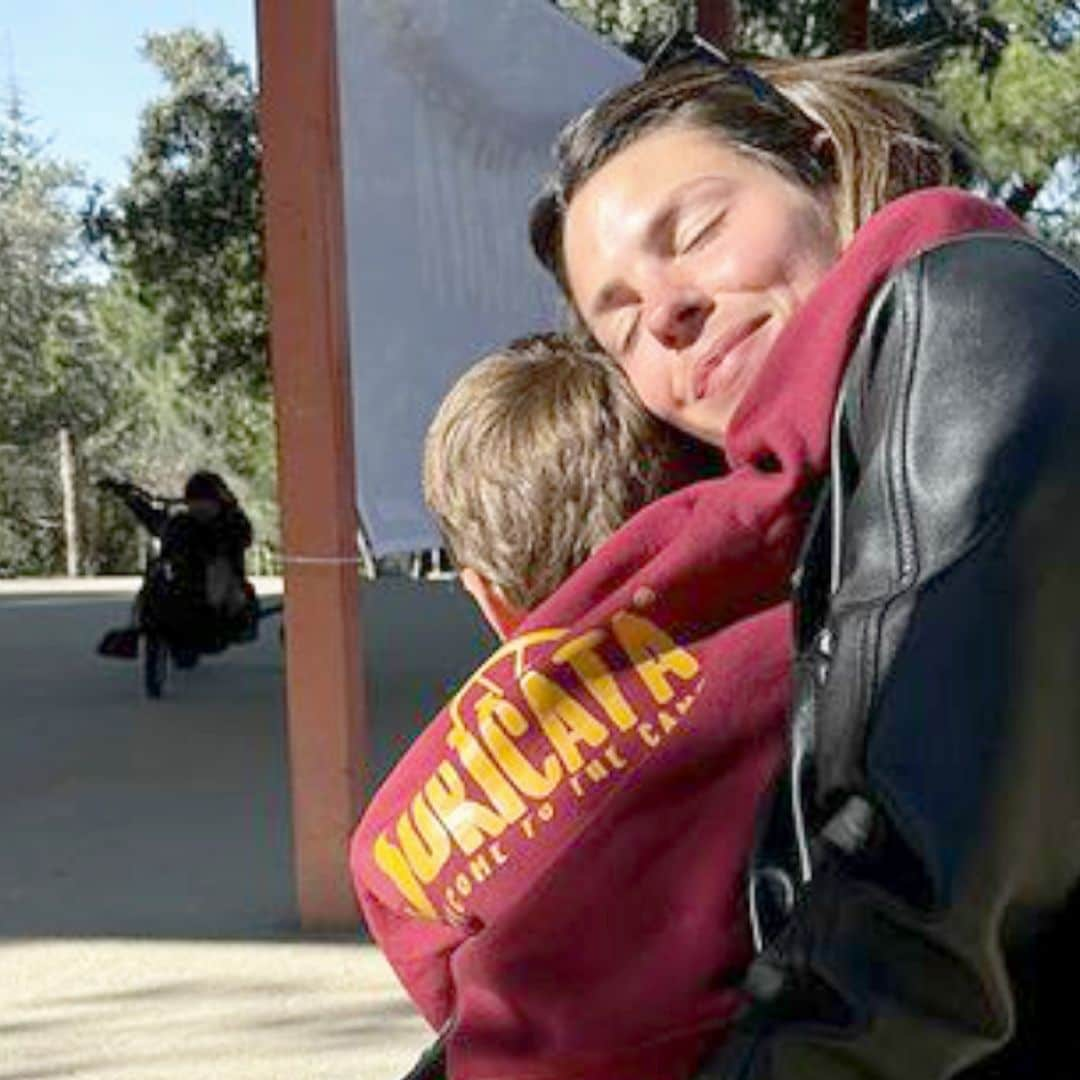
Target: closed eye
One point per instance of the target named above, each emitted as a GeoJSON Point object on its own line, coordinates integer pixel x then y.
{"type": "Point", "coordinates": [698, 236]}
{"type": "Point", "coordinates": [629, 333]}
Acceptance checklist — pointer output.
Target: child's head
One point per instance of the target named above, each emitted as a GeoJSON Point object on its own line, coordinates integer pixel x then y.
{"type": "Point", "coordinates": [536, 456]}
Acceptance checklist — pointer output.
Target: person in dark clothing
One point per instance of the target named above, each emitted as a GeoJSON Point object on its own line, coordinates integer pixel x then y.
{"type": "Point", "coordinates": [198, 593]}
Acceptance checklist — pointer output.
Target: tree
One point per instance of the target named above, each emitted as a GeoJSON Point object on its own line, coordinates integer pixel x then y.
{"type": "Point", "coordinates": [1023, 111]}
{"type": "Point", "coordinates": [802, 28]}
{"type": "Point", "coordinates": [187, 226]}
{"type": "Point", "coordinates": [50, 389]}
{"type": "Point", "coordinates": [637, 25]}
{"type": "Point", "coordinates": [37, 258]}
{"type": "Point", "coordinates": [185, 316]}
{"type": "Point", "coordinates": [1008, 70]}
{"type": "Point", "coordinates": [159, 370]}
{"type": "Point", "coordinates": [166, 422]}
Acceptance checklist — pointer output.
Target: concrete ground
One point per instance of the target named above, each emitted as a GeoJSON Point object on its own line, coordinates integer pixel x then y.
{"type": "Point", "coordinates": [147, 917]}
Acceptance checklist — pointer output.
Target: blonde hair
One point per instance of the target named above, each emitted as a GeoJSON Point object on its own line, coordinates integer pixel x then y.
{"type": "Point", "coordinates": [887, 136]}
{"type": "Point", "coordinates": [536, 456]}
{"type": "Point", "coordinates": [884, 135]}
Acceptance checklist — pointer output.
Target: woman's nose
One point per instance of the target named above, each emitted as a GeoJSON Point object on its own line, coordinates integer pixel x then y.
{"type": "Point", "coordinates": [677, 316]}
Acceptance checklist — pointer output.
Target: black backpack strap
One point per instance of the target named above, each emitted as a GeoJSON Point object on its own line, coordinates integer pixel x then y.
{"type": "Point", "coordinates": [432, 1062]}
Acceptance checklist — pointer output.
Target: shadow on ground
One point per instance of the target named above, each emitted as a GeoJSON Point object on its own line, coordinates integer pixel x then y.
{"type": "Point", "coordinates": [125, 818]}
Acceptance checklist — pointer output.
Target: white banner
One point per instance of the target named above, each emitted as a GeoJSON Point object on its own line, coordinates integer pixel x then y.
{"type": "Point", "coordinates": [448, 112]}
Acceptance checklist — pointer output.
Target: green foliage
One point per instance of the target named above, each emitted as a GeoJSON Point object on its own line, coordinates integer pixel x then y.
{"type": "Point", "coordinates": [38, 253]}
{"type": "Point", "coordinates": [160, 369]}
{"type": "Point", "coordinates": [637, 25]}
{"type": "Point", "coordinates": [185, 316]}
{"type": "Point", "coordinates": [1024, 111]}
{"type": "Point", "coordinates": [803, 28]}
{"type": "Point", "coordinates": [46, 378]}
{"type": "Point", "coordinates": [187, 226]}
{"type": "Point", "coordinates": [1008, 70]}
{"type": "Point", "coordinates": [167, 422]}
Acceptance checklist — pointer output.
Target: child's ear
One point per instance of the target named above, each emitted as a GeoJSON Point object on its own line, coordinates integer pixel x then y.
{"type": "Point", "coordinates": [503, 616]}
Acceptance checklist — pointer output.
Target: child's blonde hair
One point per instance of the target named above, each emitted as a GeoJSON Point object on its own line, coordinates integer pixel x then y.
{"type": "Point", "coordinates": [536, 456]}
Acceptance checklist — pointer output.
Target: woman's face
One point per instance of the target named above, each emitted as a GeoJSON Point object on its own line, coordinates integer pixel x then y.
{"type": "Point", "coordinates": [685, 260]}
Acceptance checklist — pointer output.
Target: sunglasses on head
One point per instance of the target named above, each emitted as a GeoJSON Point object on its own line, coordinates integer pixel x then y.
{"type": "Point", "coordinates": [684, 47]}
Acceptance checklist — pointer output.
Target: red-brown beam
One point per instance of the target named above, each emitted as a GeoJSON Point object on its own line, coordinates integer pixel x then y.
{"type": "Point", "coordinates": [309, 352]}
{"type": "Point", "coordinates": [717, 21]}
{"type": "Point", "coordinates": [855, 24]}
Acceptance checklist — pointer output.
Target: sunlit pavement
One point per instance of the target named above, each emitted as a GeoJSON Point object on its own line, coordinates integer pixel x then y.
{"type": "Point", "coordinates": [147, 918]}
{"type": "Point", "coordinates": [165, 1010]}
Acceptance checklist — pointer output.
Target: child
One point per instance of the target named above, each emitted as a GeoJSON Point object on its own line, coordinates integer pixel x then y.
{"type": "Point", "coordinates": [535, 458]}
{"type": "Point", "coordinates": [555, 868]}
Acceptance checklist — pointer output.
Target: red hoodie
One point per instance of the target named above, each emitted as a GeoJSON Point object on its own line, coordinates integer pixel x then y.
{"type": "Point", "coordinates": [558, 860]}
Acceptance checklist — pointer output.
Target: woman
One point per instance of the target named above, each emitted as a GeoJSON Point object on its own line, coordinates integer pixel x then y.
{"type": "Point", "coordinates": [743, 245]}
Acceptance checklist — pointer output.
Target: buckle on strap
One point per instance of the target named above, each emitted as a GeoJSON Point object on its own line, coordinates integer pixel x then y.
{"type": "Point", "coordinates": [851, 827]}
{"type": "Point", "coordinates": [771, 901]}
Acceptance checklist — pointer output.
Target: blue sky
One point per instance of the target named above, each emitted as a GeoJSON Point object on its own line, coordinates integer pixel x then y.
{"type": "Point", "coordinates": [77, 67]}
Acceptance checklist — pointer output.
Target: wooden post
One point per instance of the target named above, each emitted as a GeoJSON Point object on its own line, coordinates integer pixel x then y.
{"type": "Point", "coordinates": [717, 21]}
{"type": "Point", "coordinates": [69, 500]}
{"type": "Point", "coordinates": [855, 33]}
{"type": "Point", "coordinates": [305, 256]}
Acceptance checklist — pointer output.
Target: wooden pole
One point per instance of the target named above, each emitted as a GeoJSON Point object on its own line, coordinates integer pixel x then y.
{"type": "Point", "coordinates": [69, 500]}
{"type": "Point", "coordinates": [309, 350]}
{"type": "Point", "coordinates": [855, 32]}
{"type": "Point", "coordinates": [717, 21]}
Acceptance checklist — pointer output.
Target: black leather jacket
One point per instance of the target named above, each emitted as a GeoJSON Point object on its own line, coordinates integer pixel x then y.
{"type": "Point", "coordinates": [929, 831]}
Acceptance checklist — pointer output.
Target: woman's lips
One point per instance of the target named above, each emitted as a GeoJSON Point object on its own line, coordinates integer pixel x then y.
{"type": "Point", "coordinates": [723, 352]}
